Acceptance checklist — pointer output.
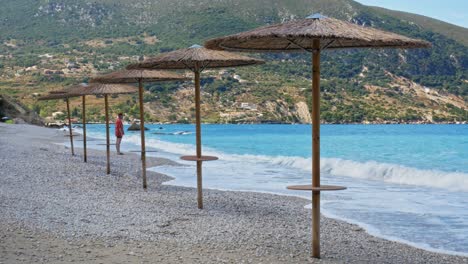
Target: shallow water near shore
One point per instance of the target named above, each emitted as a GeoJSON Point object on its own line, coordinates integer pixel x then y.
{"type": "Point", "coordinates": [405, 182]}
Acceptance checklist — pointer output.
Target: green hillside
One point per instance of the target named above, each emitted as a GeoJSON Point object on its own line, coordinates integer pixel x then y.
{"type": "Point", "coordinates": [47, 44]}
{"type": "Point", "coordinates": [457, 33]}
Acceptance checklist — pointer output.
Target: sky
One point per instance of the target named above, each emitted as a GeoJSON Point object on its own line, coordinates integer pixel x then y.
{"type": "Point", "coordinates": [452, 11]}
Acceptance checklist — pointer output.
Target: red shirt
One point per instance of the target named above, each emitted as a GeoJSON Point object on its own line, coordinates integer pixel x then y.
{"type": "Point", "coordinates": [119, 128]}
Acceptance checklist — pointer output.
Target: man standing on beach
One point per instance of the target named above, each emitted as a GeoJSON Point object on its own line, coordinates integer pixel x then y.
{"type": "Point", "coordinates": [119, 132]}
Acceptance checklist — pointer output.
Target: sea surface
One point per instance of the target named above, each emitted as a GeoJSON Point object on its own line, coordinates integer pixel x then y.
{"type": "Point", "coordinates": [407, 183]}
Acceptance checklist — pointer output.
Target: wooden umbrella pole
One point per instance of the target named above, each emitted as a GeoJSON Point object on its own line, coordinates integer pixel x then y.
{"type": "Point", "coordinates": [316, 148]}
{"type": "Point", "coordinates": [83, 114]}
{"type": "Point", "coordinates": [70, 126]}
{"type": "Point", "coordinates": [142, 133]}
{"type": "Point", "coordinates": [198, 136]}
{"type": "Point", "coordinates": [107, 133]}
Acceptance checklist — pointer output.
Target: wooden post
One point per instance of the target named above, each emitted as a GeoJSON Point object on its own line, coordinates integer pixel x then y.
{"type": "Point", "coordinates": [316, 148]}
{"type": "Point", "coordinates": [83, 117]}
{"type": "Point", "coordinates": [198, 136]}
{"type": "Point", "coordinates": [70, 127]}
{"type": "Point", "coordinates": [107, 133]}
{"type": "Point", "coordinates": [142, 133]}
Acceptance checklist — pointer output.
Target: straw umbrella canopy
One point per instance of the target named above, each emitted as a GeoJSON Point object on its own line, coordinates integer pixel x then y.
{"type": "Point", "coordinates": [139, 76]}
{"type": "Point", "coordinates": [57, 95]}
{"type": "Point", "coordinates": [106, 90]}
{"type": "Point", "coordinates": [57, 92]}
{"type": "Point", "coordinates": [313, 34]}
{"type": "Point", "coordinates": [300, 35]}
{"type": "Point", "coordinates": [135, 76]}
{"type": "Point", "coordinates": [196, 58]}
{"type": "Point", "coordinates": [73, 92]}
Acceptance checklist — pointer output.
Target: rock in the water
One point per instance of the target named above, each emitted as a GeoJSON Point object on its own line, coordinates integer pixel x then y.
{"type": "Point", "coordinates": [135, 127]}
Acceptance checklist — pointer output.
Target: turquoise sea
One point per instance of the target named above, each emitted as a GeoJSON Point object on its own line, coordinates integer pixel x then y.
{"type": "Point", "coordinates": [407, 183]}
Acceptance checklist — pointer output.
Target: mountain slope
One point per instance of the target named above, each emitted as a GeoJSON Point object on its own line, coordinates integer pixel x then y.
{"type": "Point", "coordinates": [55, 19]}
{"type": "Point", "coordinates": [51, 43]}
{"type": "Point", "coordinates": [454, 32]}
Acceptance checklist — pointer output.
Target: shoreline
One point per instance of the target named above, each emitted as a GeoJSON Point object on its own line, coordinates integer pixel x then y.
{"type": "Point", "coordinates": [255, 210]}
{"type": "Point", "coordinates": [368, 228]}
{"type": "Point", "coordinates": [54, 125]}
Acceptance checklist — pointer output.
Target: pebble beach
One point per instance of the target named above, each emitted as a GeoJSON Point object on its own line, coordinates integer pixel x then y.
{"type": "Point", "coordinates": [54, 208]}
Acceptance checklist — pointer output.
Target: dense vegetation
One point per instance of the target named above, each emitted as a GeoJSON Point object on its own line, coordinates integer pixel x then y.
{"type": "Point", "coordinates": [107, 34]}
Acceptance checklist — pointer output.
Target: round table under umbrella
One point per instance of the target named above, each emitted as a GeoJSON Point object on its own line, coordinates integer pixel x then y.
{"type": "Point", "coordinates": [106, 90]}
{"type": "Point", "coordinates": [57, 95]}
{"type": "Point", "coordinates": [197, 59]}
{"type": "Point", "coordinates": [313, 34]}
{"type": "Point", "coordinates": [140, 77]}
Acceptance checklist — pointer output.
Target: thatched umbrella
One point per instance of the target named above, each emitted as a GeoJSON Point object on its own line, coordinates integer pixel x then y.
{"type": "Point", "coordinates": [106, 90]}
{"type": "Point", "coordinates": [140, 77]}
{"type": "Point", "coordinates": [57, 95]}
{"type": "Point", "coordinates": [196, 58]}
{"type": "Point", "coordinates": [73, 91]}
{"type": "Point", "coordinates": [313, 34]}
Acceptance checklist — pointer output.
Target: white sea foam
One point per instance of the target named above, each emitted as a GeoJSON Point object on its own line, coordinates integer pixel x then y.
{"type": "Point", "coordinates": [376, 232]}
{"type": "Point", "coordinates": [392, 173]}
{"type": "Point", "coordinates": [370, 170]}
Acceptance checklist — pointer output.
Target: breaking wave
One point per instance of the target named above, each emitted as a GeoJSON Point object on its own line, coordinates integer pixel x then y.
{"type": "Point", "coordinates": [370, 170]}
